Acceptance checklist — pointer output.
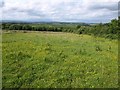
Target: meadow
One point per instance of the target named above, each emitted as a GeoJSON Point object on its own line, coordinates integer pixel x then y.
{"type": "Point", "coordinates": [58, 60]}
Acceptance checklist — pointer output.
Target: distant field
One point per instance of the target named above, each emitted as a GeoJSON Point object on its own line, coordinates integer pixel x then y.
{"type": "Point", "coordinates": [58, 60]}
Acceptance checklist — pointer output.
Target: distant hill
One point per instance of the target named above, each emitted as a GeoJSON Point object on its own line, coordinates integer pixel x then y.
{"type": "Point", "coordinates": [49, 22]}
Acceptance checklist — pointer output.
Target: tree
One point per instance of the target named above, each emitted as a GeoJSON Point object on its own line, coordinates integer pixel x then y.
{"type": "Point", "coordinates": [78, 26]}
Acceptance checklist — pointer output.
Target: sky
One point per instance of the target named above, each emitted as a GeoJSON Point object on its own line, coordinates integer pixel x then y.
{"type": "Point", "coordinates": [88, 11]}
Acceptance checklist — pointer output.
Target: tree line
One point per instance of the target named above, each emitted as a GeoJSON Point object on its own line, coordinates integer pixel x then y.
{"type": "Point", "coordinates": [6, 26]}
{"type": "Point", "coordinates": [107, 30]}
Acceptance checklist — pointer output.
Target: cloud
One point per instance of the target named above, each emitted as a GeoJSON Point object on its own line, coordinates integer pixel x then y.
{"type": "Point", "coordinates": [111, 6]}
{"type": "Point", "coordinates": [1, 3]}
{"type": "Point", "coordinates": [60, 10]}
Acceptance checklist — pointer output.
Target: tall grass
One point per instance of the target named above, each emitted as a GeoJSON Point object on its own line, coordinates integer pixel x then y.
{"type": "Point", "coordinates": [58, 60]}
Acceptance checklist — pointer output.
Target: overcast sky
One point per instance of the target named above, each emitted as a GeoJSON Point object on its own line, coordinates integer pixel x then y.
{"type": "Point", "coordinates": [60, 10]}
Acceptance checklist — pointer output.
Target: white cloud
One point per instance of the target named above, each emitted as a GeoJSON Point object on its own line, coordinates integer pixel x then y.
{"type": "Point", "coordinates": [60, 10]}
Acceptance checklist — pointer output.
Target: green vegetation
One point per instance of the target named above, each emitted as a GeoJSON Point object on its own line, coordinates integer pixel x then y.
{"type": "Point", "coordinates": [107, 30]}
{"type": "Point", "coordinates": [58, 60]}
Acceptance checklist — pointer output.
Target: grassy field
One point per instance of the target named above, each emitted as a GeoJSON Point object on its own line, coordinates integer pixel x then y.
{"type": "Point", "coordinates": [58, 60]}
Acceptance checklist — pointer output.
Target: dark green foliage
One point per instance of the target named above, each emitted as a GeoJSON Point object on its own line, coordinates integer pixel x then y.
{"type": "Point", "coordinates": [107, 30]}
{"type": "Point", "coordinates": [26, 27]}
{"type": "Point", "coordinates": [78, 26]}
